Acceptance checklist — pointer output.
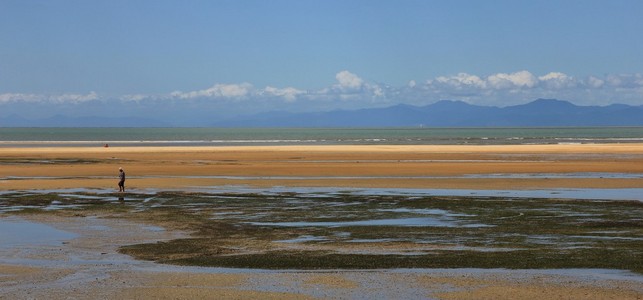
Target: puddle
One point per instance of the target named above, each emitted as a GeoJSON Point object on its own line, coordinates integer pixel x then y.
{"type": "Point", "coordinates": [588, 193]}
{"type": "Point", "coordinates": [598, 237]}
{"type": "Point", "coordinates": [402, 222]}
{"type": "Point", "coordinates": [373, 241]}
{"type": "Point", "coordinates": [425, 211]}
{"type": "Point", "coordinates": [153, 228]}
{"type": "Point", "coordinates": [590, 175]}
{"type": "Point", "coordinates": [304, 239]}
{"type": "Point", "coordinates": [15, 232]}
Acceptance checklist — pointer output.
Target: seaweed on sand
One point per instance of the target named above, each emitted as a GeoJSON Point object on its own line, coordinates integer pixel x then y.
{"type": "Point", "coordinates": [357, 231]}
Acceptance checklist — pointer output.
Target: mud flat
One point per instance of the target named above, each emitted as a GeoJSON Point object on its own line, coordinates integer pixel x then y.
{"type": "Point", "coordinates": [322, 222]}
{"type": "Point", "coordinates": [329, 245]}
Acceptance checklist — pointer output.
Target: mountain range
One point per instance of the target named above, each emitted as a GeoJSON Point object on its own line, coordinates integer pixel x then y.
{"type": "Point", "coordinates": [446, 113]}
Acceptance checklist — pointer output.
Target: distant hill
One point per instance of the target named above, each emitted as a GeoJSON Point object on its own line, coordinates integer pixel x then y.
{"type": "Point", "coordinates": [446, 113]}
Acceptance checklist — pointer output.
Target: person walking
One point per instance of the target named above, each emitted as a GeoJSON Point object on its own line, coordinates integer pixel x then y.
{"type": "Point", "coordinates": [121, 180]}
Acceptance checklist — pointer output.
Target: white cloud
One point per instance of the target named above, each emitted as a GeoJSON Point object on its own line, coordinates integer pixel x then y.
{"type": "Point", "coordinates": [15, 97]}
{"type": "Point", "coordinates": [631, 81]}
{"type": "Point", "coordinates": [557, 80]}
{"type": "Point", "coordinates": [240, 91]}
{"type": "Point", "coordinates": [594, 82]}
{"type": "Point", "coordinates": [289, 93]}
{"type": "Point", "coordinates": [523, 86]}
{"type": "Point", "coordinates": [376, 90]}
{"type": "Point", "coordinates": [34, 98]}
{"type": "Point", "coordinates": [75, 98]}
{"type": "Point", "coordinates": [219, 90]}
{"type": "Point", "coordinates": [461, 81]}
{"type": "Point", "coordinates": [134, 97]}
{"type": "Point", "coordinates": [350, 88]}
{"type": "Point", "coordinates": [348, 80]}
{"type": "Point", "coordinates": [614, 80]}
{"type": "Point", "coordinates": [521, 79]}
{"type": "Point", "coordinates": [351, 91]}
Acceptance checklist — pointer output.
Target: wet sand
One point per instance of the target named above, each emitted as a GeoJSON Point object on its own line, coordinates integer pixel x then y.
{"type": "Point", "coordinates": [90, 267]}
{"type": "Point", "coordinates": [437, 167]}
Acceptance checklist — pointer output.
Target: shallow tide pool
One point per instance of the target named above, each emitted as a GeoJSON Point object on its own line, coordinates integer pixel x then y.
{"type": "Point", "coordinates": [16, 232]}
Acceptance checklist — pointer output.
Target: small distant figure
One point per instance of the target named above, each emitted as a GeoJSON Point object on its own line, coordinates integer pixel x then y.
{"type": "Point", "coordinates": [121, 180]}
{"type": "Point", "coordinates": [106, 146]}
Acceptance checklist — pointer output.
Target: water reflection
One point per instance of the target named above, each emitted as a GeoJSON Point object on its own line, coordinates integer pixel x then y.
{"type": "Point", "coordinates": [16, 232]}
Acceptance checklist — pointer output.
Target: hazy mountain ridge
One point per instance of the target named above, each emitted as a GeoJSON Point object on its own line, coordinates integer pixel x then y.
{"type": "Point", "coordinates": [445, 113]}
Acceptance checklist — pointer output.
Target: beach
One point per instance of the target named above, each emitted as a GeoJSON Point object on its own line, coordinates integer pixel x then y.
{"type": "Point", "coordinates": [387, 166]}
{"type": "Point", "coordinates": [90, 265]}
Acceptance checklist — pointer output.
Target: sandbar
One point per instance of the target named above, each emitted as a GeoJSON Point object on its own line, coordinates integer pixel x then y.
{"type": "Point", "coordinates": [361, 166]}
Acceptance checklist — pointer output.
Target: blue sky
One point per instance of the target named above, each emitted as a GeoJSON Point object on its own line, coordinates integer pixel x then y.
{"type": "Point", "coordinates": [248, 56]}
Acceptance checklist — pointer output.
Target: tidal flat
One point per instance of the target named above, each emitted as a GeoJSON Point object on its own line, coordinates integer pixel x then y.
{"type": "Point", "coordinates": [347, 230]}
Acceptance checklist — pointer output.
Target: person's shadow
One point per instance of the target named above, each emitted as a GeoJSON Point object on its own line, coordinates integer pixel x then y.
{"type": "Point", "coordinates": [121, 198]}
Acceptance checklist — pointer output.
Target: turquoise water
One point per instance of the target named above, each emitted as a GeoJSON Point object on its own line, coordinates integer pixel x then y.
{"type": "Point", "coordinates": [298, 136]}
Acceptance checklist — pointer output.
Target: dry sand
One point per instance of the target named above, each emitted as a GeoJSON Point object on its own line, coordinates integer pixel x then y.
{"type": "Point", "coordinates": [89, 267]}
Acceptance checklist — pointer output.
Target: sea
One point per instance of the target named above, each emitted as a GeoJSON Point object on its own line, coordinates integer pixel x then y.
{"type": "Point", "coordinates": [60, 137]}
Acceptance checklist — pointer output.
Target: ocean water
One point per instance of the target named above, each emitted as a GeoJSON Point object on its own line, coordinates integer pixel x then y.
{"type": "Point", "coordinates": [313, 136]}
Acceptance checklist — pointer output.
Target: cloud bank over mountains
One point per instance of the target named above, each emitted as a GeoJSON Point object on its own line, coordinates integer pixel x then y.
{"type": "Point", "coordinates": [350, 91]}
{"type": "Point", "coordinates": [36, 98]}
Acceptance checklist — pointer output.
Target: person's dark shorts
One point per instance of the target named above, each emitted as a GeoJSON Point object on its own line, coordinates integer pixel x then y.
{"type": "Point", "coordinates": [121, 183]}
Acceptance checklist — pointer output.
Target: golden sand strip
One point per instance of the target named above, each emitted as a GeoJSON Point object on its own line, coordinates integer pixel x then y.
{"type": "Point", "coordinates": [392, 166]}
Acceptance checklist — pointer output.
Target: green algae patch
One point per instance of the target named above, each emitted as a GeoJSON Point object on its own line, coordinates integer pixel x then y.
{"type": "Point", "coordinates": [442, 259]}
{"type": "Point", "coordinates": [343, 231]}
{"type": "Point", "coordinates": [361, 231]}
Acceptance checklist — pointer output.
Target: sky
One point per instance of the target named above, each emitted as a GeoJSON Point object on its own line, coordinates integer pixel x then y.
{"type": "Point", "coordinates": [305, 55]}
